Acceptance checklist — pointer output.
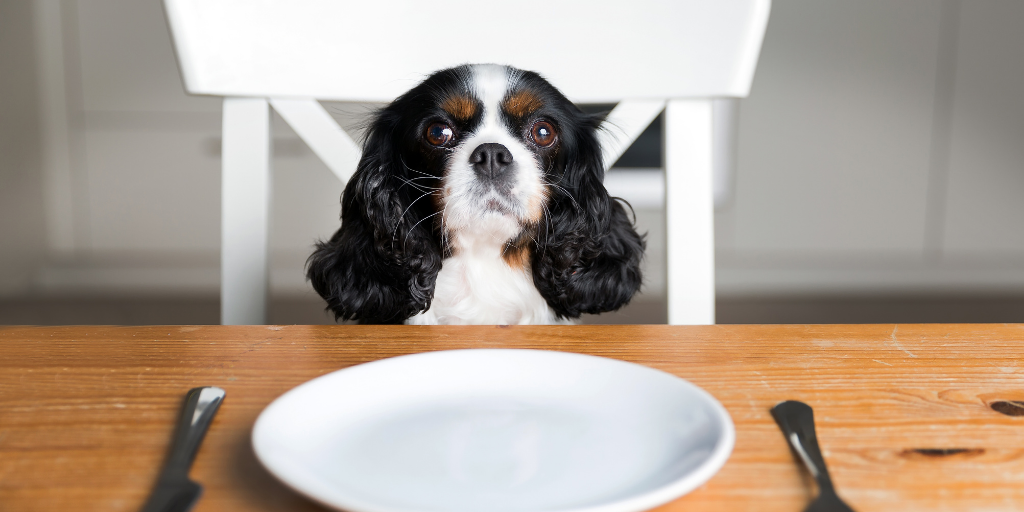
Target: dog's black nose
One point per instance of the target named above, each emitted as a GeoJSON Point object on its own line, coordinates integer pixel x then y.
{"type": "Point", "coordinates": [491, 160]}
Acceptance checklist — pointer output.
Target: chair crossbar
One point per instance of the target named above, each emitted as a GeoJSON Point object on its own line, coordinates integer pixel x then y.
{"type": "Point", "coordinates": [624, 125]}
{"type": "Point", "coordinates": [321, 133]}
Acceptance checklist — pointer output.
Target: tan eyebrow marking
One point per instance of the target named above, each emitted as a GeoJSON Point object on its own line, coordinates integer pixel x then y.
{"type": "Point", "coordinates": [521, 104]}
{"type": "Point", "coordinates": [460, 107]}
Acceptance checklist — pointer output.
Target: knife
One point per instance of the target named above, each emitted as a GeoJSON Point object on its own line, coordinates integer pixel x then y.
{"type": "Point", "coordinates": [174, 492]}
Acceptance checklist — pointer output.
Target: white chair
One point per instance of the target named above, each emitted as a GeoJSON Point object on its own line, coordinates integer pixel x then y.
{"type": "Point", "coordinates": [646, 55]}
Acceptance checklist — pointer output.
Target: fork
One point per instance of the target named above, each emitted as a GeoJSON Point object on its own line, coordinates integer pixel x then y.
{"type": "Point", "coordinates": [796, 419]}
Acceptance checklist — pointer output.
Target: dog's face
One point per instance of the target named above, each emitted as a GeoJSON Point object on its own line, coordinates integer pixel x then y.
{"type": "Point", "coordinates": [478, 155]}
{"type": "Point", "coordinates": [483, 143]}
{"type": "Point", "coordinates": [495, 139]}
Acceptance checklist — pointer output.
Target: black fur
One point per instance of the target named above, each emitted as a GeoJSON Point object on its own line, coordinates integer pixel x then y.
{"type": "Point", "coordinates": [381, 266]}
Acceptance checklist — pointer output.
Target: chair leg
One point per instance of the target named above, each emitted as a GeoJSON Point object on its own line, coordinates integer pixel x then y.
{"type": "Point", "coordinates": [245, 208]}
{"type": "Point", "coordinates": [689, 212]}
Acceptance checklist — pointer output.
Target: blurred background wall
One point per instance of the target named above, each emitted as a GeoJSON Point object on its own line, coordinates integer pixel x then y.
{"type": "Point", "coordinates": [879, 172]}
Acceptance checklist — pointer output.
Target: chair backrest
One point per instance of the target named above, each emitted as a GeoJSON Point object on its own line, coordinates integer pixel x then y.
{"type": "Point", "coordinates": [594, 51]}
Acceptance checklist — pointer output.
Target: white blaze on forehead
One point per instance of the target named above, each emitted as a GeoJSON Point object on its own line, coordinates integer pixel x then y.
{"type": "Point", "coordinates": [491, 84]}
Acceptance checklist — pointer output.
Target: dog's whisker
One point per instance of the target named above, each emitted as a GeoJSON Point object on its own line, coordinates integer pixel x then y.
{"type": "Point", "coordinates": [414, 187]}
{"type": "Point", "coordinates": [405, 243]}
{"type": "Point", "coordinates": [445, 239]}
{"type": "Point", "coordinates": [417, 186]}
{"type": "Point", "coordinates": [424, 177]}
{"type": "Point", "coordinates": [394, 233]}
{"type": "Point", "coordinates": [428, 177]}
{"type": "Point", "coordinates": [547, 222]}
{"type": "Point", "coordinates": [400, 158]}
{"type": "Point", "coordinates": [566, 192]}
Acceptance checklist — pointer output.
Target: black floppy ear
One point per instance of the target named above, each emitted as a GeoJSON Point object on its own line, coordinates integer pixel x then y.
{"type": "Point", "coordinates": [381, 265]}
{"type": "Point", "coordinates": [588, 252]}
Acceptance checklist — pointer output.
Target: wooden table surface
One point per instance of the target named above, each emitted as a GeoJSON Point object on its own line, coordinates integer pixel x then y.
{"type": "Point", "coordinates": [908, 416]}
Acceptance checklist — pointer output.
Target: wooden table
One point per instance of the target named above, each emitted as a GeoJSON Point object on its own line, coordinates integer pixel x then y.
{"type": "Point", "coordinates": [906, 414]}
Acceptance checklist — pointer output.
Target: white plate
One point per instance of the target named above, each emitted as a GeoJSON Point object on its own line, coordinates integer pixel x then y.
{"type": "Point", "coordinates": [494, 430]}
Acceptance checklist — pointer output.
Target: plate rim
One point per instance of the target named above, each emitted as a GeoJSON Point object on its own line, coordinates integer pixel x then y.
{"type": "Point", "coordinates": [644, 501]}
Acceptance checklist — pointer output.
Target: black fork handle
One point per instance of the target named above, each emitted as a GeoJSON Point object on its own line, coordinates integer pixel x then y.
{"type": "Point", "coordinates": [796, 419]}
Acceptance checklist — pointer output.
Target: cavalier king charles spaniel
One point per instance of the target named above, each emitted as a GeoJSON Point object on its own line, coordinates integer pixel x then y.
{"type": "Point", "coordinates": [479, 200]}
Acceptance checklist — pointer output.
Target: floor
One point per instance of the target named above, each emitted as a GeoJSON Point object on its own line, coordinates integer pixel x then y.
{"type": "Point", "coordinates": [121, 310]}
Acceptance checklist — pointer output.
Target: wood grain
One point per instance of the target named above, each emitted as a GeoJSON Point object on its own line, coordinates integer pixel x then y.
{"type": "Point", "coordinates": [904, 413]}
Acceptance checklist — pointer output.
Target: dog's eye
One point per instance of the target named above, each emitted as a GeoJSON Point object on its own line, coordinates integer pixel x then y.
{"type": "Point", "coordinates": [543, 133]}
{"type": "Point", "coordinates": [439, 134]}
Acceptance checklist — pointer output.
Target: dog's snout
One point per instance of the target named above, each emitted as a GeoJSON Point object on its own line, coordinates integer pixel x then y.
{"type": "Point", "coordinates": [491, 160]}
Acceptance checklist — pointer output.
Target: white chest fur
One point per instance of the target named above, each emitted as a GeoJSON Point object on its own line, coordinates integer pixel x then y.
{"type": "Point", "coordinates": [478, 287]}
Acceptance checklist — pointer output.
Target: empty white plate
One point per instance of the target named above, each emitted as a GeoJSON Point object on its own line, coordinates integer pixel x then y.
{"type": "Point", "coordinates": [494, 430]}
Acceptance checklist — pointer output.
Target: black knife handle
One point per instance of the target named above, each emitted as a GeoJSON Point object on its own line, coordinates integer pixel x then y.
{"type": "Point", "coordinates": [200, 406]}
{"type": "Point", "coordinates": [796, 419]}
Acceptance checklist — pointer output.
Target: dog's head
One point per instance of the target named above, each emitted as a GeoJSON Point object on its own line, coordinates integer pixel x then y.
{"type": "Point", "coordinates": [476, 156]}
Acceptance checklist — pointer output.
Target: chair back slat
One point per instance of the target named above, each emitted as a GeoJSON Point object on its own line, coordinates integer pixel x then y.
{"type": "Point", "coordinates": [594, 51]}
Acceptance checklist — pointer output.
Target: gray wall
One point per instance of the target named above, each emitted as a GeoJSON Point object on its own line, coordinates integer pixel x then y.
{"type": "Point", "coordinates": [879, 152]}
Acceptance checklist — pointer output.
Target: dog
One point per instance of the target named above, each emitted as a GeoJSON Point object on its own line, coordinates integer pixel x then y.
{"type": "Point", "coordinates": [479, 199]}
